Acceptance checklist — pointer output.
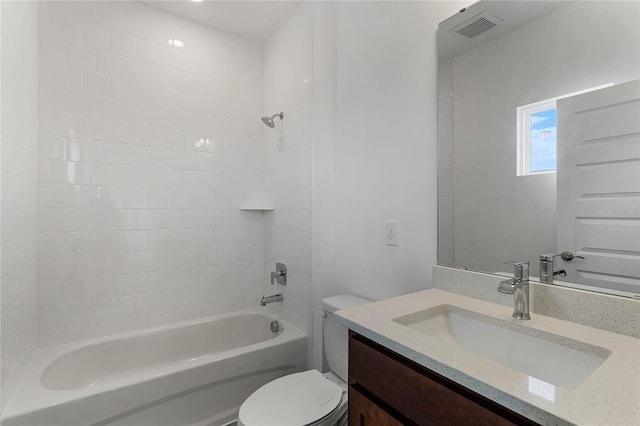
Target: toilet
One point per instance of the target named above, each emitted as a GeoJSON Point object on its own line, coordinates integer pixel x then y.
{"type": "Point", "coordinates": [309, 398]}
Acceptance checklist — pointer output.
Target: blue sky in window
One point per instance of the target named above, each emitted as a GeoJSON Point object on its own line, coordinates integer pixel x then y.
{"type": "Point", "coordinates": [543, 140]}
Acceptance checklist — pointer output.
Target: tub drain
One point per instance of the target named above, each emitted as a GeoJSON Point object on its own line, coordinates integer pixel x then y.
{"type": "Point", "coordinates": [275, 326]}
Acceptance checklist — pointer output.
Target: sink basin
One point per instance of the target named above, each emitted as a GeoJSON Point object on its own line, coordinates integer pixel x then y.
{"type": "Point", "coordinates": [554, 359]}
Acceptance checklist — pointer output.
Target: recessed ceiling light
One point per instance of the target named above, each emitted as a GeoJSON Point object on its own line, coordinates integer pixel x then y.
{"type": "Point", "coordinates": [176, 43]}
{"type": "Point", "coordinates": [197, 1]}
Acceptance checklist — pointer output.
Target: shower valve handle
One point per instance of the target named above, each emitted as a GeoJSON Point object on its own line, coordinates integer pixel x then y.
{"type": "Point", "coordinates": [280, 274]}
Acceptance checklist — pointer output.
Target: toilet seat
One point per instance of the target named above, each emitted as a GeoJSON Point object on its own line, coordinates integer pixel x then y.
{"type": "Point", "coordinates": [299, 399]}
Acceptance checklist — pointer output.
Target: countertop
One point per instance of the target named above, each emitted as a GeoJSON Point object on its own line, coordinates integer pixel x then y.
{"type": "Point", "coordinates": [609, 396]}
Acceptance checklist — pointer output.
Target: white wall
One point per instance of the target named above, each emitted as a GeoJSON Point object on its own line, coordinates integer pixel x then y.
{"type": "Point", "coordinates": [18, 236]}
{"type": "Point", "coordinates": [385, 149]}
{"type": "Point", "coordinates": [571, 49]}
{"type": "Point", "coordinates": [139, 221]}
{"type": "Point", "coordinates": [446, 245]}
{"type": "Point", "coordinates": [383, 156]}
{"type": "Point", "coordinates": [287, 163]}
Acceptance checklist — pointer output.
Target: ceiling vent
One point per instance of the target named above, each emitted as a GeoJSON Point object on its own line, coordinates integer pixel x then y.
{"type": "Point", "coordinates": [477, 25]}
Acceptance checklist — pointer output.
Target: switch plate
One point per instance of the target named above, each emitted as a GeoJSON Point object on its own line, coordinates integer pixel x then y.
{"type": "Point", "coordinates": [391, 235]}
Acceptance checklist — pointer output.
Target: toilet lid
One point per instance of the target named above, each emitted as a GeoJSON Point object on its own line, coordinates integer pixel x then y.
{"type": "Point", "coordinates": [293, 400]}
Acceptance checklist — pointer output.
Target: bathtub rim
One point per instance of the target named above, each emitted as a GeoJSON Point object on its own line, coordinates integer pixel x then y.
{"type": "Point", "coordinates": [151, 332]}
{"type": "Point", "coordinates": [32, 396]}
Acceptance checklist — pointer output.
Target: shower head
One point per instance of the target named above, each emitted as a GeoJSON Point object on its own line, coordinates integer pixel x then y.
{"type": "Point", "coordinates": [269, 120]}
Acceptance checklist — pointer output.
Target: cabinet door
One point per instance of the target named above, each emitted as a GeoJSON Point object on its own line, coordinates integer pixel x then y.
{"type": "Point", "coordinates": [363, 412]}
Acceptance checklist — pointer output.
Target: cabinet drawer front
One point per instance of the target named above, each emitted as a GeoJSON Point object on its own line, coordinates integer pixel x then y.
{"type": "Point", "coordinates": [419, 394]}
{"type": "Point", "coordinates": [364, 412]}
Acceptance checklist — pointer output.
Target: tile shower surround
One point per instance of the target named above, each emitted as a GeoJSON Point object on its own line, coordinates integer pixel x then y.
{"type": "Point", "coordinates": [287, 163]}
{"type": "Point", "coordinates": [19, 138]}
{"type": "Point", "coordinates": [145, 152]}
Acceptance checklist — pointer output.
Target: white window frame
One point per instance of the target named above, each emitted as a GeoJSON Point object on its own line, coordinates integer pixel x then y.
{"type": "Point", "coordinates": [523, 130]}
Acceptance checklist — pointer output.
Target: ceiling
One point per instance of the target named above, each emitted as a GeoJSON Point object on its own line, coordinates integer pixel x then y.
{"type": "Point", "coordinates": [255, 20]}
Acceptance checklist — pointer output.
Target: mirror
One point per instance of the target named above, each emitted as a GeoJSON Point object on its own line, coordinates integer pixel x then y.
{"type": "Point", "coordinates": [498, 202]}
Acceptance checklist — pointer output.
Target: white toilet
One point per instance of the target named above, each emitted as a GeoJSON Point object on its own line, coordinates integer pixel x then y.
{"type": "Point", "coordinates": [310, 397]}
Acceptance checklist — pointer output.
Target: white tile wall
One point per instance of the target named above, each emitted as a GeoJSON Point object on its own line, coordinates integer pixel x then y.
{"type": "Point", "coordinates": [288, 69]}
{"type": "Point", "coordinates": [18, 236]}
{"type": "Point", "coordinates": [145, 152]}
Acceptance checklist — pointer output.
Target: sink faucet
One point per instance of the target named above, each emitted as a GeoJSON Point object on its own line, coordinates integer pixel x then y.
{"type": "Point", "coordinates": [271, 299]}
{"type": "Point", "coordinates": [547, 271]}
{"type": "Point", "coordinates": [519, 287]}
{"type": "Point", "coordinates": [547, 268]}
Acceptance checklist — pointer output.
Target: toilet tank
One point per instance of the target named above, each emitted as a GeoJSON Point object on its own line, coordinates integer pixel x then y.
{"type": "Point", "coordinates": [335, 338]}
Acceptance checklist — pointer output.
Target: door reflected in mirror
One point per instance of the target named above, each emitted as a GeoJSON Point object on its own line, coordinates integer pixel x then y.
{"type": "Point", "coordinates": [524, 169]}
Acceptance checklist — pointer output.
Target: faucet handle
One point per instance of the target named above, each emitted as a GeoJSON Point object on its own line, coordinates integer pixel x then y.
{"type": "Point", "coordinates": [520, 269]}
{"type": "Point", "coordinates": [548, 257]}
{"type": "Point", "coordinates": [280, 274]}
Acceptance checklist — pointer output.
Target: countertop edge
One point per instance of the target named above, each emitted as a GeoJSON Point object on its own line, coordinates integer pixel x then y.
{"type": "Point", "coordinates": [509, 401]}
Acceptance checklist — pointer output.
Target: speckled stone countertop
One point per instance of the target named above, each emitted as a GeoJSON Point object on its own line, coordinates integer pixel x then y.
{"type": "Point", "coordinates": [609, 396]}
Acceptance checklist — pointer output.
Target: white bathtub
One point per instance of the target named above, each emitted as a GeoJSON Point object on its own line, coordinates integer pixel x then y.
{"type": "Point", "coordinates": [195, 373]}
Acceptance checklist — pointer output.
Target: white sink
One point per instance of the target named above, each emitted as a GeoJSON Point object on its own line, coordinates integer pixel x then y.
{"type": "Point", "coordinates": [554, 359]}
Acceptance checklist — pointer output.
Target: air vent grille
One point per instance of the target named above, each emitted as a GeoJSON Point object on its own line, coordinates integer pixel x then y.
{"type": "Point", "coordinates": [477, 27]}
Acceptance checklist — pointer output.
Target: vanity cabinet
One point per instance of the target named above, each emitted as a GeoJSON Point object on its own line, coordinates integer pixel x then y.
{"type": "Point", "coordinates": [388, 389]}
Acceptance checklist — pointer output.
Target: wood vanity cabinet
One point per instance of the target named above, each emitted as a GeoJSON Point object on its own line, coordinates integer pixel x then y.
{"type": "Point", "coordinates": [386, 389]}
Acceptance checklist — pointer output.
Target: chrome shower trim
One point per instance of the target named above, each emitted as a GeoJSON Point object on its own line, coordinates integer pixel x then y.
{"type": "Point", "coordinates": [268, 121]}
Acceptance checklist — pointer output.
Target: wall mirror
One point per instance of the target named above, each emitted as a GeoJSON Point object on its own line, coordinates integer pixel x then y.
{"type": "Point", "coordinates": [530, 165]}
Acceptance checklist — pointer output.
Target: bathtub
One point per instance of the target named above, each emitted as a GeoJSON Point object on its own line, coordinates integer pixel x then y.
{"type": "Point", "coordinates": [195, 373]}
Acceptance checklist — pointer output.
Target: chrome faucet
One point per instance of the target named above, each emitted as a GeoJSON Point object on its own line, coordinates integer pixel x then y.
{"type": "Point", "coordinates": [519, 287]}
{"type": "Point", "coordinates": [271, 299]}
{"type": "Point", "coordinates": [547, 268]}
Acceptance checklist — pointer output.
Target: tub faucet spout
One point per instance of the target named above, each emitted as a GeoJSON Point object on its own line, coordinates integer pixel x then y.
{"type": "Point", "coordinates": [271, 299]}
